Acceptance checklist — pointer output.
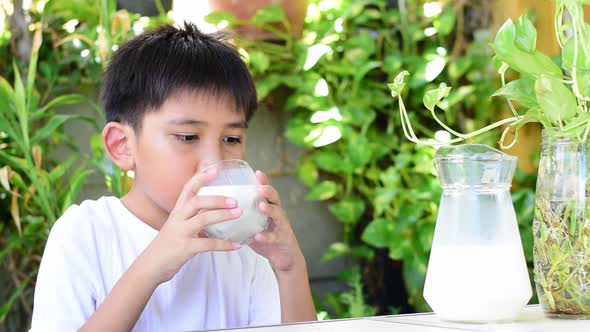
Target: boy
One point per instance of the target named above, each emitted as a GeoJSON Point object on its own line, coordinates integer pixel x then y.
{"type": "Point", "coordinates": [175, 100]}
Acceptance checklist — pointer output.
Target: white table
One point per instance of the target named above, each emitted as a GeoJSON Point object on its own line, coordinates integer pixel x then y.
{"type": "Point", "coordinates": [531, 319]}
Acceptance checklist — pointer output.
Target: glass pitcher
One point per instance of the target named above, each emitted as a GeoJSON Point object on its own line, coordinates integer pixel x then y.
{"type": "Point", "coordinates": [477, 271]}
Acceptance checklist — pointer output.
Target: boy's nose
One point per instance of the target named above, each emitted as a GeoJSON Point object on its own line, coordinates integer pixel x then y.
{"type": "Point", "coordinates": [210, 153]}
{"type": "Point", "coordinates": [209, 159]}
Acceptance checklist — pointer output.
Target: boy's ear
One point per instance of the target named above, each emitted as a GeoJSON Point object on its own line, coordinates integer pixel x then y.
{"type": "Point", "coordinates": [118, 144]}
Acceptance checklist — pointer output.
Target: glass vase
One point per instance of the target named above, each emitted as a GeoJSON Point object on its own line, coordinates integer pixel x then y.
{"type": "Point", "coordinates": [561, 227]}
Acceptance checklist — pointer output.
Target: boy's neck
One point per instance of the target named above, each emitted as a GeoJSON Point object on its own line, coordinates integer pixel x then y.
{"type": "Point", "coordinates": [144, 208]}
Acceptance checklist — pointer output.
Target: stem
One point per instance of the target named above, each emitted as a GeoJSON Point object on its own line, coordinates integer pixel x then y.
{"type": "Point", "coordinates": [160, 7]}
{"type": "Point", "coordinates": [505, 132]}
{"type": "Point", "coordinates": [575, 63]}
{"type": "Point", "coordinates": [348, 184]}
{"type": "Point", "coordinates": [586, 131]}
{"type": "Point", "coordinates": [460, 27]}
{"type": "Point", "coordinates": [411, 136]}
{"type": "Point", "coordinates": [557, 23]}
{"type": "Point", "coordinates": [403, 26]}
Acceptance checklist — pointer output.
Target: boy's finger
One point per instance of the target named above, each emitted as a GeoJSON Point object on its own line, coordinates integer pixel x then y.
{"type": "Point", "coordinates": [266, 238]}
{"type": "Point", "coordinates": [271, 194]}
{"type": "Point", "coordinates": [193, 185]}
{"type": "Point", "coordinates": [275, 212]}
{"type": "Point", "coordinates": [197, 203]}
{"type": "Point", "coordinates": [261, 177]}
{"type": "Point", "coordinates": [202, 245]}
{"type": "Point", "coordinates": [195, 224]}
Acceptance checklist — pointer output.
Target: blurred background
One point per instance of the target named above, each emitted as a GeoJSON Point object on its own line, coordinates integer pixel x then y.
{"type": "Point", "coordinates": [362, 199]}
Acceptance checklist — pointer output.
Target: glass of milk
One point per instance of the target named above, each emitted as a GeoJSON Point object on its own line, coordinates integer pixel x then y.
{"type": "Point", "coordinates": [477, 270]}
{"type": "Point", "coordinates": [236, 179]}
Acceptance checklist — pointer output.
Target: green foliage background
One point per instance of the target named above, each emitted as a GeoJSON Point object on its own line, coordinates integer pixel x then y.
{"type": "Point", "coordinates": [382, 188]}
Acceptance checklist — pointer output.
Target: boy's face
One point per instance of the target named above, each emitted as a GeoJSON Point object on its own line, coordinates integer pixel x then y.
{"type": "Point", "coordinates": [188, 132]}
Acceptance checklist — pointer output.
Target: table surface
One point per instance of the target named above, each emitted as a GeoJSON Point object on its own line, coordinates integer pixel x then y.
{"type": "Point", "coordinates": [531, 319]}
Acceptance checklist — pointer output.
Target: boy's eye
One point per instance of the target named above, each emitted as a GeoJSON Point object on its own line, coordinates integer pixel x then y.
{"type": "Point", "coordinates": [186, 138]}
{"type": "Point", "coordinates": [232, 140]}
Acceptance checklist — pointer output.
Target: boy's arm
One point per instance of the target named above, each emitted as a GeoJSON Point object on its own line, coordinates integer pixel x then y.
{"type": "Point", "coordinates": [124, 304]}
{"type": "Point", "coordinates": [174, 245]}
{"type": "Point", "coordinates": [294, 291]}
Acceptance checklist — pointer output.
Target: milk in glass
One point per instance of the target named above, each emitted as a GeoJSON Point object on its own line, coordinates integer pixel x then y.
{"type": "Point", "coordinates": [251, 222]}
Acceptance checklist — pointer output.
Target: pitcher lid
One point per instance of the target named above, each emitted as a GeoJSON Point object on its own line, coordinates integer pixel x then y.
{"type": "Point", "coordinates": [470, 165]}
{"type": "Point", "coordinates": [471, 152]}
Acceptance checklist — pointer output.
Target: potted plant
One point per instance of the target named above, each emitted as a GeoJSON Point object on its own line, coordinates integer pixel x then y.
{"type": "Point", "coordinates": [556, 96]}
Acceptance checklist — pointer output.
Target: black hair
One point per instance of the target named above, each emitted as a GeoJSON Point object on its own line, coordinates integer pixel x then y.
{"type": "Point", "coordinates": [157, 64]}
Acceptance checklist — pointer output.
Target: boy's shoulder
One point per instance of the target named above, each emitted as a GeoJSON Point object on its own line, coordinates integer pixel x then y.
{"type": "Point", "coordinates": [88, 217]}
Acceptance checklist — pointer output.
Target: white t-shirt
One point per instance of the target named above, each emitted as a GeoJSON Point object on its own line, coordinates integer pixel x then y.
{"type": "Point", "coordinates": [93, 244]}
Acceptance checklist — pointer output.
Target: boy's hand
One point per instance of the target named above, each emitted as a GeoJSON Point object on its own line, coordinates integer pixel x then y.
{"type": "Point", "coordinates": [179, 239]}
{"type": "Point", "coordinates": [278, 243]}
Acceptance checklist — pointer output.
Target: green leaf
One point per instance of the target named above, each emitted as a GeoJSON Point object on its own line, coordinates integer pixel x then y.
{"type": "Point", "coordinates": [577, 122]}
{"type": "Point", "coordinates": [398, 84]}
{"type": "Point", "coordinates": [13, 161]}
{"type": "Point", "coordinates": [62, 100]}
{"type": "Point", "coordinates": [269, 14]}
{"type": "Point", "coordinates": [458, 67]}
{"type": "Point", "coordinates": [525, 34]}
{"type": "Point", "coordinates": [359, 115]}
{"type": "Point", "coordinates": [414, 273]}
{"type": "Point", "coordinates": [364, 69]}
{"type": "Point", "coordinates": [425, 236]}
{"type": "Point", "coordinates": [336, 250]}
{"type": "Point", "coordinates": [330, 161]}
{"type": "Point", "coordinates": [534, 64]}
{"type": "Point", "coordinates": [505, 39]}
{"type": "Point", "coordinates": [266, 85]}
{"type": "Point", "coordinates": [293, 81]}
{"type": "Point", "coordinates": [21, 109]}
{"type": "Point", "coordinates": [8, 124]}
{"type": "Point", "coordinates": [323, 191]}
{"type": "Point", "coordinates": [556, 100]}
{"type": "Point", "coordinates": [533, 115]}
{"type": "Point", "coordinates": [314, 53]}
{"type": "Point", "coordinates": [392, 63]}
{"type": "Point", "coordinates": [362, 251]}
{"type": "Point", "coordinates": [308, 173]}
{"type": "Point", "coordinates": [398, 248]}
{"type": "Point", "coordinates": [358, 150]}
{"type": "Point", "coordinates": [378, 233]}
{"type": "Point", "coordinates": [456, 96]}
{"type": "Point", "coordinates": [258, 61]}
{"type": "Point", "coordinates": [348, 210]}
{"type": "Point", "coordinates": [218, 17]}
{"type": "Point", "coordinates": [60, 170]}
{"type": "Point", "coordinates": [544, 65]}
{"type": "Point", "coordinates": [428, 69]}
{"type": "Point", "coordinates": [390, 177]}
{"type": "Point", "coordinates": [75, 184]}
{"type": "Point", "coordinates": [432, 97]}
{"type": "Point", "coordinates": [50, 127]}
{"type": "Point", "coordinates": [521, 90]}
{"type": "Point", "coordinates": [582, 66]}
{"type": "Point", "coordinates": [445, 22]}
{"type": "Point", "coordinates": [583, 80]}
{"type": "Point", "coordinates": [567, 55]}
{"type": "Point", "coordinates": [383, 199]}
{"type": "Point", "coordinates": [7, 94]}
